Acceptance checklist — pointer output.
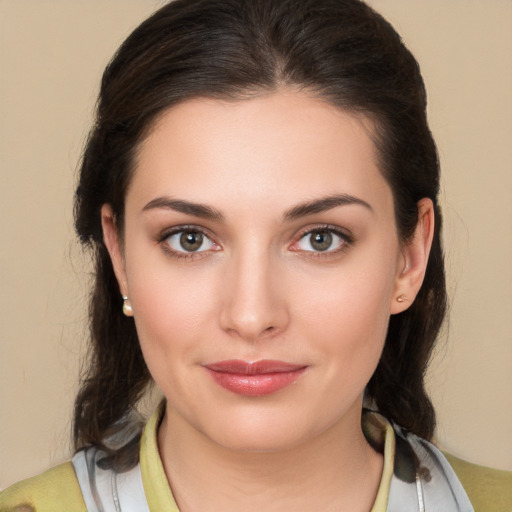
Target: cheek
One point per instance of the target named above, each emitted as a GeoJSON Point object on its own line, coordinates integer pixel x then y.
{"type": "Point", "coordinates": [171, 308]}
{"type": "Point", "coordinates": [353, 328]}
{"type": "Point", "coordinates": [171, 321]}
{"type": "Point", "coordinates": [349, 316]}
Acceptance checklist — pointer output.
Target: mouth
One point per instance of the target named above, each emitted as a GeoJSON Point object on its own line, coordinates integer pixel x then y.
{"type": "Point", "coordinates": [256, 378]}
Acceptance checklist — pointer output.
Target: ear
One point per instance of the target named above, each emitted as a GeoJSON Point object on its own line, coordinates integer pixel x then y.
{"type": "Point", "coordinates": [414, 259]}
{"type": "Point", "coordinates": [114, 247]}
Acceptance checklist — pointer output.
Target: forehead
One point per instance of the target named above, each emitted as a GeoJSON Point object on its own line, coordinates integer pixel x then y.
{"type": "Point", "coordinates": [285, 144]}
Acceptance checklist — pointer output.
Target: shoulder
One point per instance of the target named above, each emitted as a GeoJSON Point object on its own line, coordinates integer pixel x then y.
{"type": "Point", "coordinates": [489, 490]}
{"type": "Point", "coordinates": [55, 490]}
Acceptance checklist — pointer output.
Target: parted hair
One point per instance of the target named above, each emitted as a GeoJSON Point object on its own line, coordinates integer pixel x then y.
{"type": "Point", "coordinates": [338, 50]}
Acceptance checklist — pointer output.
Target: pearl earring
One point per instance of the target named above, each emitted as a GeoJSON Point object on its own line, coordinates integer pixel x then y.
{"type": "Point", "coordinates": [401, 298]}
{"type": "Point", "coordinates": [127, 307]}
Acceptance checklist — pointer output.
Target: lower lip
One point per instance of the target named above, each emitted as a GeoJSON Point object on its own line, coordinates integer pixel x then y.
{"type": "Point", "coordinates": [256, 385]}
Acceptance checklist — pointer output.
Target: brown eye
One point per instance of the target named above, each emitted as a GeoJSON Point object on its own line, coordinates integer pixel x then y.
{"type": "Point", "coordinates": [320, 240]}
{"type": "Point", "coordinates": [191, 241]}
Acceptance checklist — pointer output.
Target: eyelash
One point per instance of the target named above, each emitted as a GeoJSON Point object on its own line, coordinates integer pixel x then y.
{"type": "Point", "coordinates": [346, 241]}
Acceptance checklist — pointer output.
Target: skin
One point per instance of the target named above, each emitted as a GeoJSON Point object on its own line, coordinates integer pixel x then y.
{"type": "Point", "coordinates": [258, 288]}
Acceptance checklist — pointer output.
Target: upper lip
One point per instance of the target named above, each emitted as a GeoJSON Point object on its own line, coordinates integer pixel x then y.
{"type": "Point", "coordinates": [239, 367]}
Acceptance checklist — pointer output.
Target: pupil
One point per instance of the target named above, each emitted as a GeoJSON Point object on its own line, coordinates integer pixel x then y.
{"type": "Point", "coordinates": [321, 241]}
{"type": "Point", "coordinates": [191, 240]}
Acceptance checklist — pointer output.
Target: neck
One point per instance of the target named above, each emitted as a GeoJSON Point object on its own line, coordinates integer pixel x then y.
{"type": "Point", "coordinates": [336, 470]}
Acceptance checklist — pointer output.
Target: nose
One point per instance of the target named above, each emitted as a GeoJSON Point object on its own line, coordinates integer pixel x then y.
{"type": "Point", "coordinates": [254, 305]}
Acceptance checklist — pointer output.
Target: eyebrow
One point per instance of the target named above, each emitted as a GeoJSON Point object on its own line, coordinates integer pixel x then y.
{"type": "Point", "coordinates": [324, 204]}
{"type": "Point", "coordinates": [178, 205]}
{"type": "Point", "coordinates": [301, 210]}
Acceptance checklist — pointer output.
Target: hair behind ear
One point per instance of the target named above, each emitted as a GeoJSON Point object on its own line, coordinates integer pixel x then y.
{"type": "Point", "coordinates": [397, 387]}
{"type": "Point", "coordinates": [116, 375]}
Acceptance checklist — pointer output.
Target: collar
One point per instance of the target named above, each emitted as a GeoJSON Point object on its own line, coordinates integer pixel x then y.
{"type": "Point", "coordinates": [156, 486]}
{"type": "Point", "coordinates": [158, 492]}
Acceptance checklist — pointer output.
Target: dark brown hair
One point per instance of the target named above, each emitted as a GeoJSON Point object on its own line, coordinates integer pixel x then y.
{"type": "Point", "coordinates": [338, 50]}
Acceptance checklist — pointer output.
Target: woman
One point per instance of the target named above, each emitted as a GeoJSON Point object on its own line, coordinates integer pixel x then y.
{"type": "Point", "coordinates": [260, 191]}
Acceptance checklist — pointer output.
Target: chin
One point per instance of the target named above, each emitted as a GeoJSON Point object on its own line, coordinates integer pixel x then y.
{"type": "Point", "coordinates": [261, 434]}
{"type": "Point", "coordinates": [259, 443]}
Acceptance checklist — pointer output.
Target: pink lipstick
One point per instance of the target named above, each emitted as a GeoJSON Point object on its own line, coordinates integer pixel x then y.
{"type": "Point", "coordinates": [258, 378]}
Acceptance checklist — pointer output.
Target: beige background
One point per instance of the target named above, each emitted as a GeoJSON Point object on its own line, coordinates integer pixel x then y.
{"type": "Point", "coordinates": [51, 55]}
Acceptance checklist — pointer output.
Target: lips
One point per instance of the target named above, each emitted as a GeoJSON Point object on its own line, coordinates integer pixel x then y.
{"type": "Point", "coordinates": [257, 378]}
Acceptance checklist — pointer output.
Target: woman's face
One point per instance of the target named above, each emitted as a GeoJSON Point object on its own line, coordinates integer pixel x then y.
{"type": "Point", "coordinates": [260, 231]}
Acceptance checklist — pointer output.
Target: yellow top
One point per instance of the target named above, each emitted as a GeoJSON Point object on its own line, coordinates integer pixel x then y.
{"type": "Point", "coordinates": [489, 490]}
{"type": "Point", "coordinates": [56, 490]}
